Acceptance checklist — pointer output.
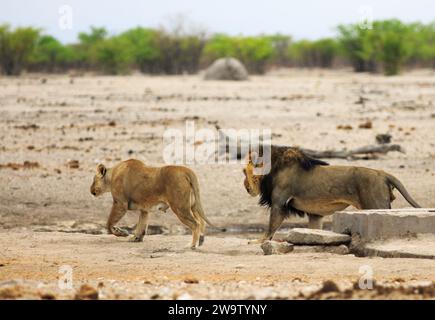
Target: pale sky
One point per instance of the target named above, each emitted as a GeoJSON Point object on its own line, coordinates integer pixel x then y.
{"type": "Point", "coordinates": [302, 19]}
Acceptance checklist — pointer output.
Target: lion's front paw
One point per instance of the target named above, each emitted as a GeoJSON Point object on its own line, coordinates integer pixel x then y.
{"type": "Point", "coordinates": [120, 232]}
{"type": "Point", "coordinates": [136, 239]}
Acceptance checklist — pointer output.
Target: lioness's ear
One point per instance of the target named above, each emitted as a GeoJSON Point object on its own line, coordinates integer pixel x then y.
{"type": "Point", "coordinates": [101, 170]}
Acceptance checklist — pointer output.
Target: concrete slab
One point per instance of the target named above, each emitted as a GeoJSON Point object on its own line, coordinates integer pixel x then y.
{"type": "Point", "coordinates": [422, 246]}
{"type": "Point", "coordinates": [341, 249]}
{"type": "Point", "coordinates": [306, 236]}
{"type": "Point", "coordinates": [384, 224]}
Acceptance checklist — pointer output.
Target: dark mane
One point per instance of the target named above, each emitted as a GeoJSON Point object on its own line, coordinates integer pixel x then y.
{"type": "Point", "coordinates": [282, 157]}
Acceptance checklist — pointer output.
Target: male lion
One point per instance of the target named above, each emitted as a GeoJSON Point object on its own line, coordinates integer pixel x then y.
{"type": "Point", "coordinates": [298, 184]}
{"type": "Point", "coordinates": [136, 186]}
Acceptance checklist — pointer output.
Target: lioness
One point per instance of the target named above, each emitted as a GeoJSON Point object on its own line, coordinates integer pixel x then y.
{"type": "Point", "coordinates": [299, 184]}
{"type": "Point", "coordinates": [136, 186]}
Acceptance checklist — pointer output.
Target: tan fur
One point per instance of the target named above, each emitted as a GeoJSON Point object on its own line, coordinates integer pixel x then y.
{"type": "Point", "coordinates": [135, 186]}
{"type": "Point", "coordinates": [322, 189]}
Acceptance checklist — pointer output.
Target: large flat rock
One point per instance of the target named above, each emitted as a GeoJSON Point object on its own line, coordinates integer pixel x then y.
{"type": "Point", "coordinates": [422, 246]}
{"type": "Point", "coordinates": [304, 236]}
{"type": "Point", "coordinates": [383, 224]}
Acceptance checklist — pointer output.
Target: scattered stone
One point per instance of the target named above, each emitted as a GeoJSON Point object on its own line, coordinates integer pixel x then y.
{"type": "Point", "coordinates": [273, 247]}
{"type": "Point", "coordinates": [361, 100]}
{"type": "Point", "coordinates": [16, 166]}
{"type": "Point", "coordinates": [86, 292]}
{"type": "Point", "coordinates": [383, 138]}
{"type": "Point", "coordinates": [73, 164]}
{"type": "Point", "coordinates": [226, 69]}
{"type": "Point", "coordinates": [28, 126]}
{"type": "Point", "coordinates": [47, 296]}
{"type": "Point", "coordinates": [344, 127]}
{"type": "Point", "coordinates": [191, 280]}
{"type": "Point", "coordinates": [307, 236]}
{"type": "Point", "coordinates": [86, 139]}
{"type": "Point", "coordinates": [366, 125]}
{"type": "Point", "coordinates": [112, 124]}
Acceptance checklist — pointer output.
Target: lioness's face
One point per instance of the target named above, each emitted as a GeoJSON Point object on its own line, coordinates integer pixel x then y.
{"type": "Point", "coordinates": [99, 186]}
{"type": "Point", "coordinates": [251, 182]}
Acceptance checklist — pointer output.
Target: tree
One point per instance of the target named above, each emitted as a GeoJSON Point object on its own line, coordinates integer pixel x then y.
{"type": "Point", "coordinates": [85, 50]}
{"type": "Point", "coordinates": [113, 55]}
{"type": "Point", "coordinates": [357, 45]}
{"type": "Point", "coordinates": [392, 41]}
{"type": "Point", "coordinates": [16, 48]}
{"type": "Point", "coordinates": [143, 47]}
{"type": "Point", "coordinates": [51, 55]}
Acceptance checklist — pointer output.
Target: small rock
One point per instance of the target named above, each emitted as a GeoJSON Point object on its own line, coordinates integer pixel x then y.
{"type": "Point", "coordinates": [191, 280]}
{"type": "Point", "coordinates": [366, 125]}
{"type": "Point", "coordinates": [307, 236]}
{"type": "Point", "coordinates": [47, 296]}
{"type": "Point", "coordinates": [274, 247]}
{"type": "Point", "coordinates": [344, 127]}
{"type": "Point", "coordinates": [73, 164]}
{"type": "Point", "coordinates": [86, 292]}
{"type": "Point", "coordinates": [383, 138]}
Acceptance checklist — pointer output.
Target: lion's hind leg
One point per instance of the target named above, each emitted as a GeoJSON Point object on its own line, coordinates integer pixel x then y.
{"type": "Point", "coordinates": [202, 226]}
{"type": "Point", "coordinates": [187, 218]}
{"type": "Point", "coordinates": [141, 227]}
{"type": "Point", "coordinates": [377, 198]}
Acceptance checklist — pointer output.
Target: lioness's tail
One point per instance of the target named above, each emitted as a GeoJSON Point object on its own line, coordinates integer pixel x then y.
{"type": "Point", "coordinates": [399, 186]}
{"type": "Point", "coordinates": [197, 205]}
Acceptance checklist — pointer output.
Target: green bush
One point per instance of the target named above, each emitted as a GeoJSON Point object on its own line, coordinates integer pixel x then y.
{"type": "Point", "coordinates": [142, 46]}
{"type": "Point", "coordinates": [16, 48]}
{"type": "Point", "coordinates": [113, 55]}
{"type": "Point", "coordinates": [390, 45]}
{"type": "Point", "coordinates": [179, 53]}
{"type": "Point", "coordinates": [85, 50]}
{"type": "Point", "coordinates": [254, 52]}
{"type": "Point", "coordinates": [320, 53]}
{"type": "Point", "coordinates": [392, 41]}
{"type": "Point", "coordinates": [358, 46]}
{"type": "Point", "coordinates": [51, 55]}
{"type": "Point", "coordinates": [422, 42]}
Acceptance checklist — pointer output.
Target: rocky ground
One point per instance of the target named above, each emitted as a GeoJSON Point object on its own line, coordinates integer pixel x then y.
{"type": "Point", "coordinates": [55, 129]}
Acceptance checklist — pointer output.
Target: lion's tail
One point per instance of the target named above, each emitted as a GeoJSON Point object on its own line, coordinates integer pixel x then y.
{"type": "Point", "coordinates": [197, 204]}
{"type": "Point", "coordinates": [399, 186]}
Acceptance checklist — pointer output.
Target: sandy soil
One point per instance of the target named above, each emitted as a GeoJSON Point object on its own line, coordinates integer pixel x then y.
{"type": "Point", "coordinates": [94, 119]}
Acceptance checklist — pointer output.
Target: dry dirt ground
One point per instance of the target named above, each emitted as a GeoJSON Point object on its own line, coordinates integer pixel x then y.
{"type": "Point", "coordinates": [55, 129]}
